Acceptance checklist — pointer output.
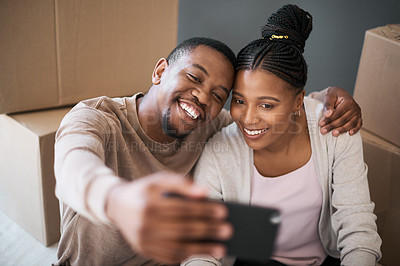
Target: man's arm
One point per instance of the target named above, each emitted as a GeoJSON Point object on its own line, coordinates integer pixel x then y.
{"type": "Point", "coordinates": [341, 112]}
{"type": "Point", "coordinates": [164, 229]}
{"type": "Point", "coordinates": [168, 229]}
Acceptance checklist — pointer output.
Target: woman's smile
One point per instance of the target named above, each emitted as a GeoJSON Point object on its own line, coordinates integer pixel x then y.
{"type": "Point", "coordinates": [252, 133]}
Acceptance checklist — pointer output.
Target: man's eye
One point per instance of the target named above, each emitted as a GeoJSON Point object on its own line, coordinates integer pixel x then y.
{"type": "Point", "coordinates": [218, 97]}
{"type": "Point", "coordinates": [194, 78]}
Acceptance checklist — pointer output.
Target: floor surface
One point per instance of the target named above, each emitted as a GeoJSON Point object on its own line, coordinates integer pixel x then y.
{"type": "Point", "coordinates": [17, 247]}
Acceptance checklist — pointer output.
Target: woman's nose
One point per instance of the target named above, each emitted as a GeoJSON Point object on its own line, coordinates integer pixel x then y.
{"type": "Point", "coordinates": [250, 116]}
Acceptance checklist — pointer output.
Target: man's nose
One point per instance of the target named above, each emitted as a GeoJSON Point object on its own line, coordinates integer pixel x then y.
{"type": "Point", "coordinates": [202, 96]}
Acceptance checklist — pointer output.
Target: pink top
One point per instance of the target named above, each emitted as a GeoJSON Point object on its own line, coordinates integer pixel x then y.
{"type": "Point", "coordinates": [299, 197]}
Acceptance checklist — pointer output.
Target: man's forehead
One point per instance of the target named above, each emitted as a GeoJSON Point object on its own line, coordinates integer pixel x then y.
{"type": "Point", "coordinates": [202, 50]}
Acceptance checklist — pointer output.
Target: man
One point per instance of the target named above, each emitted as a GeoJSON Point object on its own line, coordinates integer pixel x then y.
{"type": "Point", "coordinates": [116, 161]}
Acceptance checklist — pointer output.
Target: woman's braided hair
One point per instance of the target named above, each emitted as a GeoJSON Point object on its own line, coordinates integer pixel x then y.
{"type": "Point", "coordinates": [280, 50]}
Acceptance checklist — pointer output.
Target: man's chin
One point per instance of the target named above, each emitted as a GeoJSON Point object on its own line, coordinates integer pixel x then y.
{"type": "Point", "coordinates": [174, 134]}
{"type": "Point", "coordinates": [170, 130]}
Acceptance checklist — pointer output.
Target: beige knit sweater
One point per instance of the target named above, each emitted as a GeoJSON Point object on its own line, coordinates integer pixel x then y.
{"type": "Point", "coordinates": [100, 143]}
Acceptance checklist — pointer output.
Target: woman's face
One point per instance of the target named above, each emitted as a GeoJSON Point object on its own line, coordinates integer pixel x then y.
{"type": "Point", "coordinates": [263, 107]}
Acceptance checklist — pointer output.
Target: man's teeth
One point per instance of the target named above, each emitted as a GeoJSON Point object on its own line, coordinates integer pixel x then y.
{"type": "Point", "coordinates": [189, 110]}
{"type": "Point", "coordinates": [254, 132]}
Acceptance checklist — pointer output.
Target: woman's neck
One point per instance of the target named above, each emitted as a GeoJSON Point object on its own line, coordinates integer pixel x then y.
{"type": "Point", "coordinates": [291, 151]}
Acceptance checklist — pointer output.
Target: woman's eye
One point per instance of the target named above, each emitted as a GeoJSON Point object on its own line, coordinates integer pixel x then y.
{"type": "Point", "coordinates": [239, 101]}
{"type": "Point", "coordinates": [266, 105]}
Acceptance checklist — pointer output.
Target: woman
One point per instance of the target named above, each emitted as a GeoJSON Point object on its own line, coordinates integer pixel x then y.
{"type": "Point", "coordinates": [274, 155]}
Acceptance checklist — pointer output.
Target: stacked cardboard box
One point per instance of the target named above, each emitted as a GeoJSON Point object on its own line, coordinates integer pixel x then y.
{"type": "Point", "coordinates": [377, 91]}
{"type": "Point", "coordinates": [27, 181]}
{"type": "Point", "coordinates": [54, 54]}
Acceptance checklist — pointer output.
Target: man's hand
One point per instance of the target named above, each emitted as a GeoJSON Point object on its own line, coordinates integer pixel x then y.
{"type": "Point", "coordinates": [341, 113]}
{"type": "Point", "coordinates": [168, 229]}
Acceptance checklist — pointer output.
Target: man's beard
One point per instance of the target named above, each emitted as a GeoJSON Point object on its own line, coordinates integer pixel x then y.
{"type": "Point", "coordinates": [169, 128]}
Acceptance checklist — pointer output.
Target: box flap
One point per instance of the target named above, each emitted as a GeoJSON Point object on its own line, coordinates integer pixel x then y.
{"type": "Point", "coordinates": [390, 31]}
{"type": "Point", "coordinates": [371, 138]}
{"type": "Point", "coordinates": [43, 122]}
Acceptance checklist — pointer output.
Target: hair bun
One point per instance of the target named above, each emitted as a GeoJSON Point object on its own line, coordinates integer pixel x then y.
{"type": "Point", "coordinates": [289, 24]}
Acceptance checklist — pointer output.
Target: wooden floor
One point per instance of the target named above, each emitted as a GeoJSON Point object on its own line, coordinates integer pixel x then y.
{"type": "Point", "coordinates": [17, 247]}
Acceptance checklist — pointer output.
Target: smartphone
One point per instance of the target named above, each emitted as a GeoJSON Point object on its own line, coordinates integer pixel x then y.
{"type": "Point", "coordinates": [255, 230]}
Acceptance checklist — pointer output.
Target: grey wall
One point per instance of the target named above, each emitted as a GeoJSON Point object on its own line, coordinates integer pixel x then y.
{"type": "Point", "coordinates": [333, 49]}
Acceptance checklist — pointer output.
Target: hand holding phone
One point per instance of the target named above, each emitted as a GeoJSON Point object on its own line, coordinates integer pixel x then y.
{"type": "Point", "coordinates": [255, 229]}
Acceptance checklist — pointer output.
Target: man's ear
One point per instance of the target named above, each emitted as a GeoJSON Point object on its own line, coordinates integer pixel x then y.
{"type": "Point", "coordinates": [159, 69]}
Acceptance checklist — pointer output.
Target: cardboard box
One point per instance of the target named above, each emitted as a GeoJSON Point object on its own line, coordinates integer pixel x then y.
{"type": "Point", "coordinates": [27, 183]}
{"type": "Point", "coordinates": [383, 160]}
{"type": "Point", "coordinates": [56, 53]}
{"type": "Point", "coordinates": [377, 88]}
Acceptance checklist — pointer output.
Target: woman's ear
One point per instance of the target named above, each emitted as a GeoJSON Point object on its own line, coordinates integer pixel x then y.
{"type": "Point", "coordinates": [159, 69]}
{"type": "Point", "coordinates": [299, 100]}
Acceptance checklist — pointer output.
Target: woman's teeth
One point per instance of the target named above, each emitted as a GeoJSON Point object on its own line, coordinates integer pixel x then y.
{"type": "Point", "coordinates": [254, 132]}
{"type": "Point", "coordinates": [193, 113]}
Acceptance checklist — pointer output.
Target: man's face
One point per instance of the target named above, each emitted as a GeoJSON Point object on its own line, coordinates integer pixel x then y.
{"type": "Point", "coordinates": [193, 90]}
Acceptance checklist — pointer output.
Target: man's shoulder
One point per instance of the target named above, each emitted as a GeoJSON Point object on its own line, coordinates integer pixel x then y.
{"type": "Point", "coordinates": [104, 105]}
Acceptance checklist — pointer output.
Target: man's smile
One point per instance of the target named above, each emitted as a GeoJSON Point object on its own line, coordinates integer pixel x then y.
{"type": "Point", "coordinates": [190, 110]}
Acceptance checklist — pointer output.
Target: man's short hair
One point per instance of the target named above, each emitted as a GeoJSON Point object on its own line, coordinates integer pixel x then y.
{"type": "Point", "coordinates": [188, 45]}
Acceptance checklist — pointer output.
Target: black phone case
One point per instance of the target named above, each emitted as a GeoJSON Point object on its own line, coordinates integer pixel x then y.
{"type": "Point", "coordinates": [255, 230]}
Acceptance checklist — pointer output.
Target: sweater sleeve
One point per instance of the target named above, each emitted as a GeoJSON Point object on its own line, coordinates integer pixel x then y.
{"type": "Point", "coordinates": [206, 174]}
{"type": "Point", "coordinates": [82, 178]}
{"type": "Point", "coordinates": [353, 219]}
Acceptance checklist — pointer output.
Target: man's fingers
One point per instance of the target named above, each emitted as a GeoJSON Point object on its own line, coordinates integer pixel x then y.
{"type": "Point", "coordinates": [338, 127]}
{"type": "Point", "coordinates": [329, 104]}
{"type": "Point", "coordinates": [170, 183]}
{"type": "Point", "coordinates": [191, 230]}
{"type": "Point", "coordinates": [178, 208]}
{"type": "Point", "coordinates": [357, 127]}
{"type": "Point", "coordinates": [336, 123]}
{"type": "Point", "coordinates": [345, 117]}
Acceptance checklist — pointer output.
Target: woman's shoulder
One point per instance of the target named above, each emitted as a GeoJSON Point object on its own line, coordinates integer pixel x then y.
{"type": "Point", "coordinates": [228, 140]}
{"type": "Point", "coordinates": [314, 112]}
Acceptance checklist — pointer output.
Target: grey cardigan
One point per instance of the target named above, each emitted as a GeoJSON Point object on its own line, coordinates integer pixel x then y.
{"type": "Point", "coordinates": [347, 225]}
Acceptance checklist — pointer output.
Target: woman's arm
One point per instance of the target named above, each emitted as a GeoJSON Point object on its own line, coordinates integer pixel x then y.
{"type": "Point", "coordinates": [204, 171]}
{"type": "Point", "coordinates": [353, 220]}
